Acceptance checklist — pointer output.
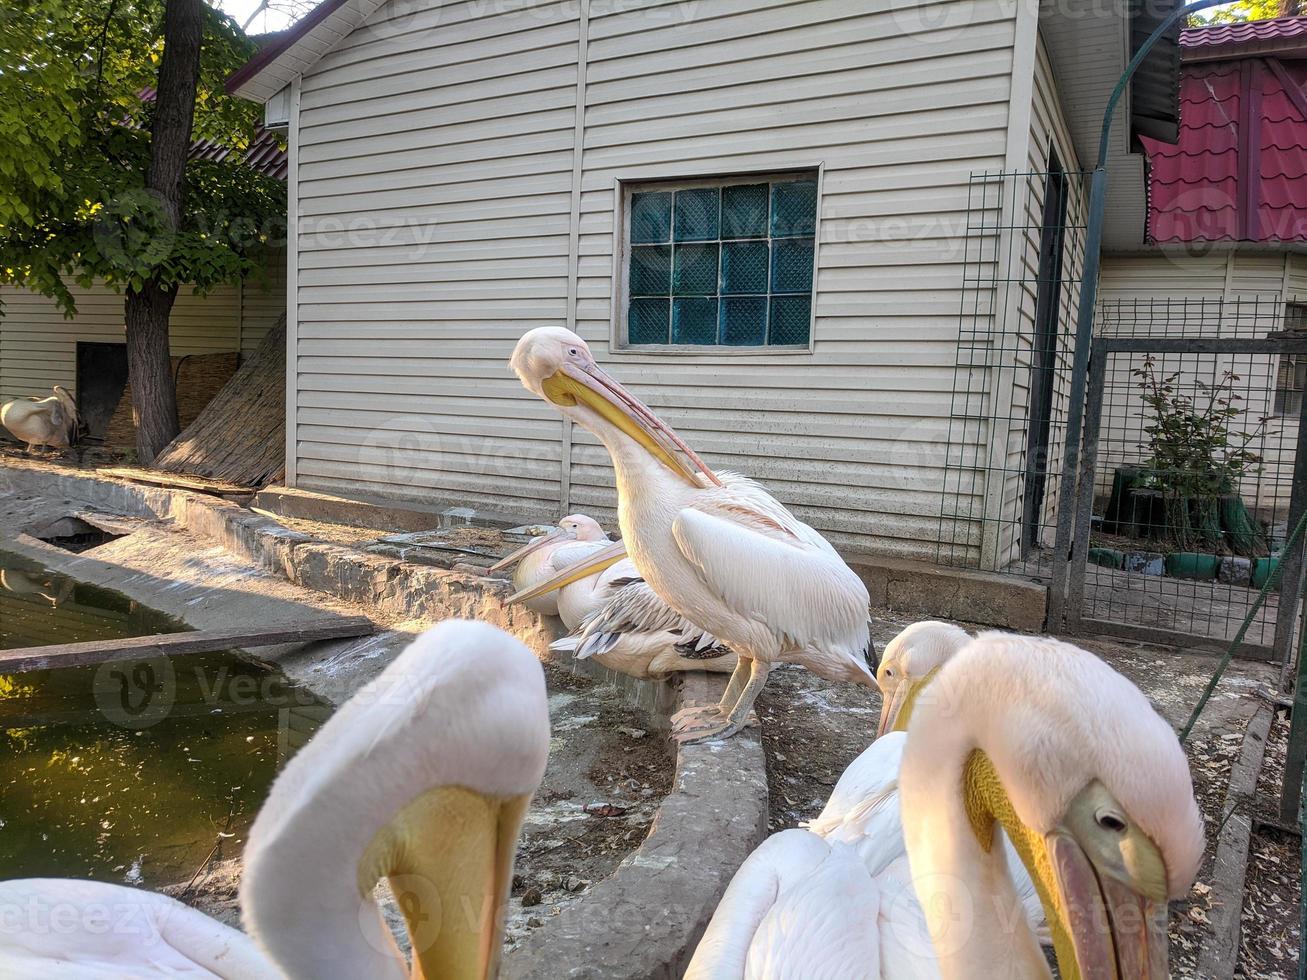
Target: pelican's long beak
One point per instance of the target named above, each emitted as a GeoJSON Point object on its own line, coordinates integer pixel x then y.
{"type": "Point", "coordinates": [535, 544]}
{"type": "Point", "coordinates": [572, 384]}
{"type": "Point", "coordinates": [584, 568]}
{"type": "Point", "coordinates": [448, 855]}
{"type": "Point", "coordinates": [891, 710]}
{"type": "Point", "coordinates": [1115, 932]}
{"type": "Point", "coordinates": [896, 710]}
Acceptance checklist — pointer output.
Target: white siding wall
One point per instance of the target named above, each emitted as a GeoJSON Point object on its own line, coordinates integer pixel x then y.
{"type": "Point", "coordinates": [436, 176]}
{"type": "Point", "coordinates": [1150, 293]}
{"type": "Point", "coordinates": [38, 346]}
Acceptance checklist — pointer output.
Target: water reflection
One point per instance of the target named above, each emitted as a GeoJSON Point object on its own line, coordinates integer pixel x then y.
{"type": "Point", "coordinates": [130, 771]}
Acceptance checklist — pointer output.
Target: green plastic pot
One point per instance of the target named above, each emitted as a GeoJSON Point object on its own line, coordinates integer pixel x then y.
{"type": "Point", "coordinates": [1262, 569]}
{"type": "Point", "coordinates": [1192, 564]}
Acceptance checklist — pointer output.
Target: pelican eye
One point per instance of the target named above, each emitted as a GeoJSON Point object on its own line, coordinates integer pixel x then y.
{"type": "Point", "coordinates": [572, 351]}
{"type": "Point", "coordinates": [1110, 822]}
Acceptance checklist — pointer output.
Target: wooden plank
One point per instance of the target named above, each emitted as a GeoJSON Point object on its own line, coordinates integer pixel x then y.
{"type": "Point", "coordinates": [156, 478]}
{"type": "Point", "coordinates": [1218, 957]}
{"type": "Point", "coordinates": [199, 641]}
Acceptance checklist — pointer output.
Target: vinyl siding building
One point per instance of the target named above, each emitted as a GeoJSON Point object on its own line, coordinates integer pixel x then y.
{"type": "Point", "coordinates": [761, 215]}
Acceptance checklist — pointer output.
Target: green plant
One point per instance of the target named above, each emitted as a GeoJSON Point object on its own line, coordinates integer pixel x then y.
{"type": "Point", "coordinates": [1198, 456]}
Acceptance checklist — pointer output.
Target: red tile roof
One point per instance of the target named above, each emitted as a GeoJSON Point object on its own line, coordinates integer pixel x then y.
{"type": "Point", "coordinates": [1257, 36]}
{"type": "Point", "coordinates": [1239, 169]}
{"type": "Point", "coordinates": [264, 154]}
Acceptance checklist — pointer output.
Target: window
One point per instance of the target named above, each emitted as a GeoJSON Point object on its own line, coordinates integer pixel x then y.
{"type": "Point", "coordinates": [721, 263]}
{"type": "Point", "coordinates": [1291, 376]}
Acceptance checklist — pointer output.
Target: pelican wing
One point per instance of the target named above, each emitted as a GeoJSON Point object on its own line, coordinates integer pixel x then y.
{"type": "Point", "coordinates": [564, 556]}
{"type": "Point", "coordinates": [633, 607]}
{"type": "Point", "coordinates": [799, 907]}
{"type": "Point", "coordinates": [863, 809]}
{"type": "Point", "coordinates": [764, 563]}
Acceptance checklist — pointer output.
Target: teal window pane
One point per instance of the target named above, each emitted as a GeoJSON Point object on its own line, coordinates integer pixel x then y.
{"type": "Point", "coordinates": [694, 321]}
{"type": "Point", "coordinates": [694, 270]}
{"type": "Point", "coordinates": [791, 266]}
{"type": "Point", "coordinates": [651, 270]}
{"type": "Point", "coordinates": [697, 211]}
{"type": "Point", "coordinates": [651, 217]}
{"type": "Point", "coordinates": [744, 321]}
{"type": "Point", "coordinates": [646, 321]}
{"type": "Point", "coordinates": [744, 267]}
{"type": "Point", "coordinates": [744, 211]}
{"type": "Point", "coordinates": [793, 208]}
{"type": "Point", "coordinates": [790, 319]}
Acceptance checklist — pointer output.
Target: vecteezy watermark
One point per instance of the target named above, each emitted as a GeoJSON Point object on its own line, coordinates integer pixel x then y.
{"type": "Point", "coordinates": [136, 694]}
{"type": "Point", "coordinates": [36, 914]}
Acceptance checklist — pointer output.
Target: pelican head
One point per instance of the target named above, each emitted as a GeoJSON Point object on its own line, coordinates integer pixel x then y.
{"type": "Point", "coordinates": [910, 662]}
{"type": "Point", "coordinates": [1091, 786]}
{"type": "Point", "coordinates": [556, 365]}
{"type": "Point", "coordinates": [573, 527]}
{"type": "Point", "coordinates": [423, 778]}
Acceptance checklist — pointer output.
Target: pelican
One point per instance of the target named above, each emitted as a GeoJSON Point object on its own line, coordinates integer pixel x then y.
{"type": "Point", "coordinates": [613, 614]}
{"type": "Point", "coordinates": [48, 421]}
{"type": "Point", "coordinates": [911, 661]}
{"type": "Point", "coordinates": [633, 631]}
{"type": "Point", "coordinates": [423, 777]}
{"type": "Point", "coordinates": [1051, 745]}
{"type": "Point", "coordinates": [549, 553]}
{"type": "Point", "coordinates": [717, 548]}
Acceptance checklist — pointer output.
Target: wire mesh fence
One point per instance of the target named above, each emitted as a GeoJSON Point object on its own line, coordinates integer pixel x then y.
{"type": "Point", "coordinates": [1024, 255]}
{"type": "Point", "coordinates": [1194, 454]}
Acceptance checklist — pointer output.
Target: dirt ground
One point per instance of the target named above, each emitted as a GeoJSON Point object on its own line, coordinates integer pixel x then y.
{"type": "Point", "coordinates": [813, 729]}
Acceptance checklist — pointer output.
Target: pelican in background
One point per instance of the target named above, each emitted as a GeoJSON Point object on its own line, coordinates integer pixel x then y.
{"type": "Point", "coordinates": [911, 661]}
{"type": "Point", "coordinates": [548, 554]}
{"type": "Point", "coordinates": [1051, 745]}
{"type": "Point", "coordinates": [51, 422]}
{"type": "Point", "coordinates": [717, 548]}
{"type": "Point", "coordinates": [613, 614]}
{"type": "Point", "coordinates": [423, 778]}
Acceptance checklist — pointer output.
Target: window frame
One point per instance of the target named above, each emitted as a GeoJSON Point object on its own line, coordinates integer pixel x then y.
{"type": "Point", "coordinates": [1295, 324]}
{"type": "Point", "coordinates": [625, 187]}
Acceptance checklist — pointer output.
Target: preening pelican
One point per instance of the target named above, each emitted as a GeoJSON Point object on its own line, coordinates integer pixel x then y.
{"type": "Point", "coordinates": [717, 548]}
{"type": "Point", "coordinates": [1047, 743]}
{"type": "Point", "coordinates": [48, 422]}
{"type": "Point", "coordinates": [423, 777]}
{"type": "Point", "coordinates": [550, 553]}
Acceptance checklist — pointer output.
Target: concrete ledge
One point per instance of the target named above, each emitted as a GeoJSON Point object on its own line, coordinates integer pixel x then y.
{"type": "Point", "coordinates": [985, 598]}
{"type": "Point", "coordinates": [646, 920]}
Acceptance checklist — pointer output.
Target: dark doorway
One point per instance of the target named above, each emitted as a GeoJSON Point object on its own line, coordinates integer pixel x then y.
{"type": "Point", "coordinates": [101, 377]}
{"type": "Point", "coordinates": [1043, 362]}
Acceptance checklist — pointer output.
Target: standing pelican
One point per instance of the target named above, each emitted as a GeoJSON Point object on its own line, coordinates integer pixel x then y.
{"type": "Point", "coordinates": [51, 421]}
{"type": "Point", "coordinates": [717, 548]}
{"type": "Point", "coordinates": [423, 778]}
{"type": "Point", "coordinates": [549, 553]}
{"type": "Point", "coordinates": [1051, 745]}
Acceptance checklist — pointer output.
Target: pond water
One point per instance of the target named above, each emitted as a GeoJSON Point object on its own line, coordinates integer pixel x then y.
{"type": "Point", "coordinates": [130, 772]}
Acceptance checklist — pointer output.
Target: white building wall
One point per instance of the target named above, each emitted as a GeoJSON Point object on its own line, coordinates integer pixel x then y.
{"type": "Point", "coordinates": [38, 346]}
{"type": "Point", "coordinates": [444, 209]}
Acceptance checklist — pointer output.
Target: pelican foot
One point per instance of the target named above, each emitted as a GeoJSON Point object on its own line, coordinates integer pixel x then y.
{"type": "Point", "coordinates": [716, 727]}
{"type": "Point", "coordinates": [696, 717]}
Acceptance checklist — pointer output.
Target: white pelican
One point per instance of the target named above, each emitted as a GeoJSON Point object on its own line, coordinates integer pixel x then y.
{"type": "Point", "coordinates": [1051, 745]}
{"type": "Point", "coordinates": [633, 631]}
{"type": "Point", "coordinates": [717, 548]}
{"type": "Point", "coordinates": [911, 660]}
{"type": "Point", "coordinates": [613, 614]}
{"type": "Point", "coordinates": [48, 421]}
{"type": "Point", "coordinates": [548, 554]}
{"type": "Point", "coordinates": [423, 777]}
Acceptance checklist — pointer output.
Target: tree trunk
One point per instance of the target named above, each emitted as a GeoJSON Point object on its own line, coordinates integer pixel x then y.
{"type": "Point", "coordinates": [154, 394]}
{"type": "Point", "coordinates": [154, 397]}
